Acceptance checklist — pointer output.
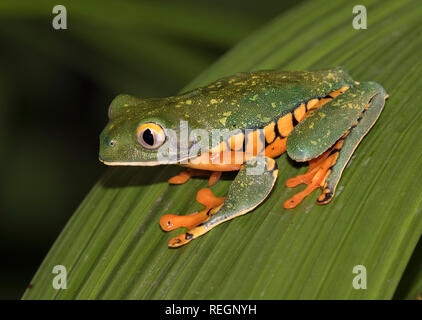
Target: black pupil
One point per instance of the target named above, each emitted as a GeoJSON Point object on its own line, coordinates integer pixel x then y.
{"type": "Point", "coordinates": [148, 137]}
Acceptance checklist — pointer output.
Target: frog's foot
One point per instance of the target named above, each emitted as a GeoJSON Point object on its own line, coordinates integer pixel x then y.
{"type": "Point", "coordinates": [184, 176]}
{"type": "Point", "coordinates": [205, 197]}
{"type": "Point", "coordinates": [248, 190]}
{"type": "Point", "coordinates": [314, 178]}
{"type": "Point", "coordinates": [214, 177]}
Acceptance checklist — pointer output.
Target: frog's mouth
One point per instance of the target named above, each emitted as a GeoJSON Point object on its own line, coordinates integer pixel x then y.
{"type": "Point", "coordinates": [135, 163]}
{"type": "Point", "coordinates": [150, 163]}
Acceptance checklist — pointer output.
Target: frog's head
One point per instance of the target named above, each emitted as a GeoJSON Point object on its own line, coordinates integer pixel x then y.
{"type": "Point", "coordinates": [141, 132]}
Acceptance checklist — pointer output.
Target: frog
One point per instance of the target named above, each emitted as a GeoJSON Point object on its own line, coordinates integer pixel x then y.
{"type": "Point", "coordinates": [317, 116]}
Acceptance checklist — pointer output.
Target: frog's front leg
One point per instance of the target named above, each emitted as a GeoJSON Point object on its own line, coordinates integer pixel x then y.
{"type": "Point", "coordinates": [184, 176]}
{"type": "Point", "coordinates": [209, 163]}
{"type": "Point", "coordinates": [251, 186]}
{"type": "Point", "coordinates": [344, 122]}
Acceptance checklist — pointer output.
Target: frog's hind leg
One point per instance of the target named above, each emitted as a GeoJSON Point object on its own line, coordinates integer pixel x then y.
{"type": "Point", "coordinates": [185, 175]}
{"type": "Point", "coordinates": [250, 187]}
{"type": "Point", "coordinates": [325, 171]}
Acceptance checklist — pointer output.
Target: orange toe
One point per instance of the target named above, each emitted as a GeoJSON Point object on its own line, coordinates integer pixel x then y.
{"type": "Point", "coordinates": [298, 197]}
{"type": "Point", "coordinates": [208, 199]}
{"type": "Point", "coordinates": [170, 222]}
{"type": "Point", "coordinates": [214, 177]}
{"type": "Point", "coordinates": [315, 177]}
{"type": "Point", "coordinates": [181, 178]}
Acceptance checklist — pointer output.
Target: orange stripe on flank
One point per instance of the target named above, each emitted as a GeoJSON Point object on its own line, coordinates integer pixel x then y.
{"type": "Point", "coordinates": [276, 148]}
{"type": "Point", "coordinates": [254, 145]}
{"type": "Point", "coordinates": [339, 91]}
{"type": "Point", "coordinates": [236, 141]}
{"type": "Point", "coordinates": [300, 112]}
{"type": "Point", "coordinates": [285, 125]}
{"type": "Point", "coordinates": [269, 132]}
{"type": "Point", "coordinates": [312, 104]}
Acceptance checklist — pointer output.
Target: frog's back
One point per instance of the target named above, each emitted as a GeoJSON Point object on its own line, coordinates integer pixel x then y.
{"type": "Point", "coordinates": [252, 100]}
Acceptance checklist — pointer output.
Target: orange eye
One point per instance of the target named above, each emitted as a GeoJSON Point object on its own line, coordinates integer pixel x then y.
{"type": "Point", "coordinates": [150, 135]}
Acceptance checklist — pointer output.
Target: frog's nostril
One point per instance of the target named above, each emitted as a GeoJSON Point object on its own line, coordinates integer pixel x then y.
{"type": "Point", "coordinates": [112, 143]}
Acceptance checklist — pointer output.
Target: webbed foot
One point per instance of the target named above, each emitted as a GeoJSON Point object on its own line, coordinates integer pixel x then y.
{"type": "Point", "coordinates": [314, 178]}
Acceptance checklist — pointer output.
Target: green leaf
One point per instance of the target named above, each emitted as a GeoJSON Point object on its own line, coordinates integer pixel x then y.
{"type": "Point", "coordinates": [113, 247]}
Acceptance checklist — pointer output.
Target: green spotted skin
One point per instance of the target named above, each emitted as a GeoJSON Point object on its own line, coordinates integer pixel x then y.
{"type": "Point", "coordinates": [251, 187]}
{"type": "Point", "coordinates": [242, 101]}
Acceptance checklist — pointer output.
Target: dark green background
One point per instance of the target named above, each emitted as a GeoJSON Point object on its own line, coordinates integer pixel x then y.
{"type": "Point", "coordinates": [55, 87]}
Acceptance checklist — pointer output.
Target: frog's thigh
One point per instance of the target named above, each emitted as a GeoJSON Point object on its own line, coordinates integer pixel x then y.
{"type": "Point", "coordinates": [251, 186]}
{"type": "Point", "coordinates": [325, 171]}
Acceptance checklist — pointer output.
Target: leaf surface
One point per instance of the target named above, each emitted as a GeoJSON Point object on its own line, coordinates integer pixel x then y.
{"type": "Point", "coordinates": [114, 248]}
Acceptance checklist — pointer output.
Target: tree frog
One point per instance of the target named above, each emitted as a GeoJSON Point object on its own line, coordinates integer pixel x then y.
{"type": "Point", "coordinates": [315, 116]}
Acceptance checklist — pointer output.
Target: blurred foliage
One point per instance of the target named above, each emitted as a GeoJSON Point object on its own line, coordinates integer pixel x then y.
{"type": "Point", "coordinates": [113, 247]}
{"type": "Point", "coordinates": [55, 87]}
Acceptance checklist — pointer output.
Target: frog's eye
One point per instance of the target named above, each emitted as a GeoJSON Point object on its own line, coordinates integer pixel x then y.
{"type": "Point", "coordinates": [150, 135]}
